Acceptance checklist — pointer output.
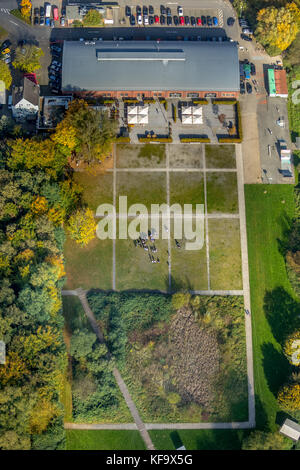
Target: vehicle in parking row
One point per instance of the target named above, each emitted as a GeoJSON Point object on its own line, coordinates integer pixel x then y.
{"type": "Point", "coordinates": [187, 20]}
{"type": "Point", "coordinates": [132, 20]}
{"type": "Point", "coordinates": [162, 19]}
{"type": "Point", "coordinates": [246, 38]}
{"type": "Point", "coordinates": [193, 21]}
{"type": "Point", "coordinates": [127, 11]}
{"type": "Point", "coordinates": [36, 20]}
{"type": "Point", "coordinates": [151, 10]}
{"type": "Point", "coordinates": [215, 21]}
{"type": "Point", "coordinates": [156, 19]}
{"type": "Point", "coordinates": [176, 20]}
{"type": "Point", "coordinates": [162, 10]}
{"type": "Point", "coordinates": [180, 11]}
{"type": "Point", "coordinates": [55, 13]}
{"type": "Point", "coordinates": [181, 20]}
{"type": "Point", "coordinates": [169, 20]}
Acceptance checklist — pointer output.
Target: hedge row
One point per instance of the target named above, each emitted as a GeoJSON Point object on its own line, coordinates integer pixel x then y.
{"type": "Point", "coordinates": [155, 139]}
{"type": "Point", "coordinates": [123, 139]}
{"type": "Point", "coordinates": [230, 140]}
{"type": "Point", "coordinates": [194, 139]}
{"type": "Point", "coordinates": [200, 102]}
{"type": "Point", "coordinates": [219, 101]}
{"type": "Point", "coordinates": [237, 139]}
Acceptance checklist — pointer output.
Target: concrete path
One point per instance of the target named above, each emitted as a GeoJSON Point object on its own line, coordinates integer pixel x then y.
{"type": "Point", "coordinates": [95, 426]}
{"type": "Point", "coordinates": [81, 294]}
{"type": "Point", "coordinates": [246, 285]}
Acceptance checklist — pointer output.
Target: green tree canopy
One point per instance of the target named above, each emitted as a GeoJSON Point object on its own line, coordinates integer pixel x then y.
{"type": "Point", "coordinates": [92, 18]}
{"type": "Point", "coordinates": [5, 74]}
{"type": "Point", "coordinates": [27, 58]}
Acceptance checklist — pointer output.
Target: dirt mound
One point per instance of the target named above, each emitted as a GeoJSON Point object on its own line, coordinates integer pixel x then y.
{"type": "Point", "coordinates": [194, 358]}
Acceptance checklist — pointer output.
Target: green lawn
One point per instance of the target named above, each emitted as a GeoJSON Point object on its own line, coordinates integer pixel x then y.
{"type": "Point", "coordinates": [220, 156]}
{"type": "Point", "coordinates": [268, 209]}
{"type": "Point", "coordinates": [97, 189]}
{"type": "Point", "coordinates": [142, 188]}
{"type": "Point", "coordinates": [104, 440]}
{"type": "Point", "coordinates": [186, 188]}
{"type": "Point", "coordinates": [188, 268]}
{"type": "Point", "coordinates": [225, 254]}
{"type": "Point", "coordinates": [222, 193]}
{"type": "Point", "coordinates": [197, 439]}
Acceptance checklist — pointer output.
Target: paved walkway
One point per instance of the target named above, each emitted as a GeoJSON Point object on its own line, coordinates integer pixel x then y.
{"type": "Point", "coordinates": [81, 294]}
{"type": "Point", "coordinates": [246, 284]}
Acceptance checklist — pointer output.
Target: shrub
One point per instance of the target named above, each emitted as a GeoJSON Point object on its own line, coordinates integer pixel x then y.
{"type": "Point", "coordinates": [194, 139]}
{"type": "Point", "coordinates": [203, 102]}
{"type": "Point", "coordinates": [219, 101]}
{"type": "Point", "coordinates": [155, 139]}
{"type": "Point", "coordinates": [123, 139]}
{"type": "Point", "coordinates": [289, 397]}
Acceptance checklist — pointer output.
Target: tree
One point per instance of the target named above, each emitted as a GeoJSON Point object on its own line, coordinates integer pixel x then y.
{"type": "Point", "coordinates": [240, 6]}
{"type": "Point", "coordinates": [5, 74]}
{"type": "Point", "coordinates": [289, 397]}
{"type": "Point", "coordinates": [259, 440]}
{"type": "Point", "coordinates": [278, 27]}
{"type": "Point", "coordinates": [82, 342]}
{"type": "Point", "coordinates": [92, 18]}
{"type": "Point", "coordinates": [93, 136]}
{"type": "Point", "coordinates": [26, 8]}
{"type": "Point", "coordinates": [292, 348]}
{"type": "Point", "coordinates": [27, 58]}
{"type": "Point", "coordinates": [82, 226]}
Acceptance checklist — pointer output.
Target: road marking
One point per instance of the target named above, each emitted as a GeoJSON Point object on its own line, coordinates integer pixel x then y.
{"type": "Point", "coordinates": [5, 10]}
{"type": "Point", "coordinates": [13, 22]}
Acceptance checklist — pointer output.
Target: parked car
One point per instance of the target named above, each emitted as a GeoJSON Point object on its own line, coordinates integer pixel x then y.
{"type": "Point", "coordinates": [5, 44]}
{"type": "Point", "coordinates": [55, 13]}
{"type": "Point", "coordinates": [9, 102]}
{"type": "Point", "coordinates": [62, 21]}
{"type": "Point", "coordinates": [56, 63]}
{"type": "Point", "coordinates": [230, 21]}
{"type": "Point", "coordinates": [145, 10]}
{"type": "Point", "coordinates": [247, 31]}
{"type": "Point", "coordinates": [36, 20]}
{"type": "Point", "coordinates": [138, 10]}
{"type": "Point", "coordinates": [52, 24]}
{"type": "Point", "coordinates": [215, 21]}
{"type": "Point", "coordinates": [151, 19]}
{"type": "Point", "coordinates": [156, 19]}
{"type": "Point", "coordinates": [246, 38]}
{"type": "Point", "coordinates": [203, 20]}
{"type": "Point", "coordinates": [139, 19]}
{"type": "Point", "coordinates": [132, 20]}
{"type": "Point", "coordinates": [146, 20]}
{"type": "Point", "coordinates": [162, 10]}
{"type": "Point", "coordinates": [47, 10]}
{"type": "Point", "coordinates": [42, 11]}
{"type": "Point", "coordinates": [47, 22]}
{"type": "Point", "coordinates": [162, 19]}
{"type": "Point", "coordinates": [253, 69]}
{"type": "Point", "coordinates": [8, 60]}
{"type": "Point", "coordinates": [209, 21]}
{"type": "Point", "coordinates": [169, 20]}
{"type": "Point", "coordinates": [187, 20]}
{"type": "Point", "coordinates": [151, 10]}
{"type": "Point", "coordinates": [128, 11]}
{"type": "Point", "coordinates": [5, 51]}
{"type": "Point", "coordinates": [180, 11]}
{"type": "Point", "coordinates": [168, 10]}
{"type": "Point", "coordinates": [63, 11]}
{"type": "Point", "coordinates": [42, 20]}
{"type": "Point", "coordinates": [181, 20]}
{"type": "Point", "coordinates": [249, 88]}
{"type": "Point", "coordinates": [242, 87]}
{"type": "Point", "coordinates": [199, 22]}
{"type": "Point", "coordinates": [55, 48]}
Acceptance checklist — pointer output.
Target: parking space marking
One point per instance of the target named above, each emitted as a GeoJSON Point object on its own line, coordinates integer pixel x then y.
{"type": "Point", "coordinates": [5, 10]}
{"type": "Point", "coordinates": [221, 17]}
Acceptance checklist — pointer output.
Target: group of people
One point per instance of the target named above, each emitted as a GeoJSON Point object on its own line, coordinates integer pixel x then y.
{"type": "Point", "coordinates": [142, 242]}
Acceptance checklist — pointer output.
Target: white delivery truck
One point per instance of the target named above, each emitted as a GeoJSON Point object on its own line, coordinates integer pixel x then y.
{"type": "Point", "coordinates": [47, 10]}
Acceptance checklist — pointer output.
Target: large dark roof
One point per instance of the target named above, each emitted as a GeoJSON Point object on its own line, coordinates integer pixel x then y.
{"type": "Point", "coordinates": [30, 91]}
{"type": "Point", "coordinates": [148, 65]}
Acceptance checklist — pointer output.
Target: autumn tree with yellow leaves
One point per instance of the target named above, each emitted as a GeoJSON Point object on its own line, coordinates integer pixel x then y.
{"type": "Point", "coordinates": [82, 226]}
{"type": "Point", "coordinates": [278, 27]}
{"type": "Point", "coordinates": [289, 397]}
{"type": "Point", "coordinates": [26, 7]}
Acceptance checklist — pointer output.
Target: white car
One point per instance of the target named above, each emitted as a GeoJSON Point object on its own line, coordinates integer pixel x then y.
{"type": "Point", "coordinates": [139, 19]}
{"type": "Point", "coordinates": [146, 20]}
{"type": "Point", "coordinates": [180, 11]}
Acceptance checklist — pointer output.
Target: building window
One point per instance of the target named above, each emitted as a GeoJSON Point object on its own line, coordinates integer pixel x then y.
{"type": "Point", "coordinates": [175, 95]}
{"type": "Point", "coordinates": [192, 95]}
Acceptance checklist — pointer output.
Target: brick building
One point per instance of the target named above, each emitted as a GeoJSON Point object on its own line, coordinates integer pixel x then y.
{"type": "Point", "coordinates": [143, 69]}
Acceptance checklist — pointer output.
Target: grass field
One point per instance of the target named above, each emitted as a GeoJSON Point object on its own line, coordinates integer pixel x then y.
{"type": "Point", "coordinates": [186, 188]}
{"type": "Point", "coordinates": [141, 156]}
{"type": "Point", "coordinates": [192, 439]}
{"type": "Point", "coordinates": [97, 189]}
{"type": "Point", "coordinates": [220, 156]}
{"type": "Point", "coordinates": [222, 193]}
{"type": "Point", "coordinates": [225, 254]}
{"type": "Point", "coordinates": [104, 440]}
{"type": "Point", "coordinates": [268, 209]}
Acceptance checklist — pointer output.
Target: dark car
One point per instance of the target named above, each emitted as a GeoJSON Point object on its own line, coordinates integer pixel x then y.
{"type": "Point", "coordinates": [42, 20]}
{"type": "Point", "coordinates": [186, 20]}
{"type": "Point", "coordinates": [249, 88]}
{"type": "Point", "coordinates": [36, 11]}
{"type": "Point", "coordinates": [138, 10]}
{"type": "Point", "coordinates": [63, 11]}
{"type": "Point", "coordinates": [151, 20]}
{"type": "Point", "coordinates": [22, 42]}
{"type": "Point", "coordinates": [36, 20]}
{"type": "Point", "coordinates": [55, 48]}
{"type": "Point", "coordinates": [253, 69]}
{"type": "Point", "coordinates": [42, 11]}
{"type": "Point", "coordinates": [151, 10]}
{"type": "Point", "coordinates": [230, 21]}
{"type": "Point", "coordinates": [242, 87]}
{"type": "Point", "coordinates": [127, 11]}
{"type": "Point", "coordinates": [132, 20]}
{"type": "Point", "coordinates": [246, 38]}
{"type": "Point", "coordinates": [193, 21]}
{"type": "Point", "coordinates": [209, 21]}
{"type": "Point", "coordinates": [145, 10]}
{"type": "Point", "coordinates": [203, 20]}
{"type": "Point", "coordinates": [176, 20]}
{"type": "Point", "coordinates": [162, 10]}
{"type": "Point", "coordinates": [5, 44]}
{"type": "Point", "coordinates": [169, 13]}
{"type": "Point", "coordinates": [169, 20]}
{"type": "Point", "coordinates": [162, 19]}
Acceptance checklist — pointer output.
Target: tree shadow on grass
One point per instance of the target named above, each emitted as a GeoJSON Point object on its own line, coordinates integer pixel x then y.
{"type": "Point", "coordinates": [282, 313]}
{"type": "Point", "coordinates": [285, 221]}
{"type": "Point", "coordinates": [276, 367]}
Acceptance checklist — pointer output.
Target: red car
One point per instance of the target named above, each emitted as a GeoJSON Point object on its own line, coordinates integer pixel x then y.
{"type": "Point", "coordinates": [156, 19]}
{"type": "Point", "coordinates": [55, 13]}
{"type": "Point", "coordinates": [199, 22]}
{"type": "Point", "coordinates": [181, 19]}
